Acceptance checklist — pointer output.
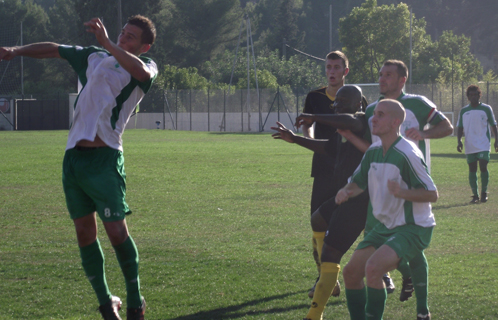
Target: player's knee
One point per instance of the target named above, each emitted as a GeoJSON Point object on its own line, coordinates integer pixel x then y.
{"type": "Point", "coordinates": [352, 273]}
{"type": "Point", "coordinates": [330, 254]}
{"type": "Point", "coordinates": [373, 270]}
{"type": "Point", "coordinates": [318, 224]}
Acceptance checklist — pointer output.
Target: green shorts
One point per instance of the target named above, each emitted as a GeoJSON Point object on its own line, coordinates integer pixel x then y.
{"type": "Point", "coordinates": [473, 157]}
{"type": "Point", "coordinates": [95, 180]}
{"type": "Point", "coordinates": [407, 241]}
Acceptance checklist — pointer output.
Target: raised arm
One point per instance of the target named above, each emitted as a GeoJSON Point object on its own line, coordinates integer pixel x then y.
{"type": "Point", "coordinates": [129, 61]}
{"type": "Point", "coordinates": [39, 50]}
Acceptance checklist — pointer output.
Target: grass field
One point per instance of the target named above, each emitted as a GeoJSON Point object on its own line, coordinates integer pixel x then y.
{"type": "Point", "coordinates": [221, 222]}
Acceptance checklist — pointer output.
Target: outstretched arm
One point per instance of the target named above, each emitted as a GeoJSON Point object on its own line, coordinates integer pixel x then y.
{"type": "Point", "coordinates": [128, 60]}
{"type": "Point", "coordinates": [360, 143]}
{"type": "Point", "coordinates": [285, 134]}
{"type": "Point", "coordinates": [339, 121]}
{"type": "Point", "coordinates": [39, 50]}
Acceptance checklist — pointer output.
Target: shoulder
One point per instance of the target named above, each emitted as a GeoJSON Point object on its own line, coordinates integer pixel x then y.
{"type": "Point", "coordinates": [408, 149]}
{"type": "Point", "coordinates": [409, 98]}
{"type": "Point", "coordinates": [317, 92]}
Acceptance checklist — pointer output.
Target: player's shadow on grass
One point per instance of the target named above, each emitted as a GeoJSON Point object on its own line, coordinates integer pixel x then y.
{"type": "Point", "coordinates": [234, 312]}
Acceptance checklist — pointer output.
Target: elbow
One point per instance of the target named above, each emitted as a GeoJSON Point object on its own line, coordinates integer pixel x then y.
{"type": "Point", "coordinates": [435, 196]}
{"type": "Point", "coordinates": [143, 76]}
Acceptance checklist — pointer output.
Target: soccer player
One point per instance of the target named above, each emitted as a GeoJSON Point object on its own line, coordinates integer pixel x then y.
{"type": "Point", "coordinates": [475, 119]}
{"type": "Point", "coordinates": [400, 189]}
{"type": "Point", "coordinates": [321, 101]}
{"type": "Point", "coordinates": [335, 228]}
{"type": "Point", "coordinates": [114, 78]}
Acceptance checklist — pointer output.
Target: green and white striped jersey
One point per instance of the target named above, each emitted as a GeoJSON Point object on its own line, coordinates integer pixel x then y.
{"type": "Point", "coordinates": [108, 96]}
{"type": "Point", "coordinates": [404, 163]}
{"type": "Point", "coordinates": [420, 111]}
{"type": "Point", "coordinates": [475, 123]}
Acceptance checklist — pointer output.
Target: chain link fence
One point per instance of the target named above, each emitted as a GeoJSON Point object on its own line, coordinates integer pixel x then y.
{"type": "Point", "coordinates": [256, 111]}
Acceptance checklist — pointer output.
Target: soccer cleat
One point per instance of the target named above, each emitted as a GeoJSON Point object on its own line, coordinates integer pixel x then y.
{"type": "Point", "coordinates": [389, 283]}
{"type": "Point", "coordinates": [109, 311]}
{"type": "Point", "coordinates": [406, 290]}
{"type": "Point", "coordinates": [424, 316]}
{"type": "Point", "coordinates": [484, 197]}
{"type": "Point", "coordinates": [337, 290]}
{"type": "Point", "coordinates": [475, 199]}
{"type": "Point", "coordinates": [136, 313]}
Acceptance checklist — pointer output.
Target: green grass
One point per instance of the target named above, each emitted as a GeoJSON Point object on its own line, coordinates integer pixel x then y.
{"type": "Point", "coordinates": [222, 226]}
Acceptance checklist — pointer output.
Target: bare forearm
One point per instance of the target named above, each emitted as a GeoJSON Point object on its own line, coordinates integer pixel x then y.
{"type": "Point", "coordinates": [315, 145]}
{"type": "Point", "coordinates": [441, 130]}
{"type": "Point", "coordinates": [40, 50]}
{"type": "Point", "coordinates": [418, 195]}
{"type": "Point", "coordinates": [129, 62]}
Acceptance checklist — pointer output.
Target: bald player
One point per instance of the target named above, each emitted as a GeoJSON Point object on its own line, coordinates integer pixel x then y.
{"type": "Point", "coordinates": [400, 190]}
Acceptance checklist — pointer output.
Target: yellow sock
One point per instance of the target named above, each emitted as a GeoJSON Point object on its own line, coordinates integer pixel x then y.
{"type": "Point", "coordinates": [318, 238]}
{"type": "Point", "coordinates": [315, 254]}
{"type": "Point", "coordinates": [323, 289]}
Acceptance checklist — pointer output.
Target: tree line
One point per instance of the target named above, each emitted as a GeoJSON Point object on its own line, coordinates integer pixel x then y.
{"type": "Point", "coordinates": [203, 43]}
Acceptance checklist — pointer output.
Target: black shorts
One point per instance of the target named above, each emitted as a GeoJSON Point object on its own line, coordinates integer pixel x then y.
{"type": "Point", "coordinates": [346, 221]}
{"type": "Point", "coordinates": [322, 191]}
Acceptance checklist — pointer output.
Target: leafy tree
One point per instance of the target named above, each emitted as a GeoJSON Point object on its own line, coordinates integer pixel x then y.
{"type": "Point", "coordinates": [279, 24]}
{"type": "Point", "coordinates": [372, 34]}
{"type": "Point", "coordinates": [172, 77]}
{"type": "Point", "coordinates": [451, 60]}
{"type": "Point", "coordinates": [203, 28]}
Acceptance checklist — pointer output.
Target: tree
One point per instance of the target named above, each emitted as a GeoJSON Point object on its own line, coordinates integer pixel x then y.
{"type": "Point", "coordinates": [203, 28]}
{"type": "Point", "coordinates": [372, 34]}
{"type": "Point", "coordinates": [278, 21]}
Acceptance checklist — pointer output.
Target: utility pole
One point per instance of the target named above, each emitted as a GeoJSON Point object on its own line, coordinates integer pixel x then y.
{"type": "Point", "coordinates": [330, 28]}
{"type": "Point", "coordinates": [120, 24]}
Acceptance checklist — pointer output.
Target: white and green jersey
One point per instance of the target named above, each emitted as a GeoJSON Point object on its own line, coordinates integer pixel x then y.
{"type": "Point", "coordinates": [475, 122]}
{"type": "Point", "coordinates": [420, 111]}
{"type": "Point", "coordinates": [404, 163]}
{"type": "Point", "coordinates": [108, 96]}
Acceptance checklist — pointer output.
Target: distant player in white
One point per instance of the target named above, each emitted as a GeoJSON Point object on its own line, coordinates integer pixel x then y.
{"type": "Point", "coordinates": [114, 80]}
{"type": "Point", "coordinates": [474, 120]}
{"type": "Point", "coordinates": [401, 190]}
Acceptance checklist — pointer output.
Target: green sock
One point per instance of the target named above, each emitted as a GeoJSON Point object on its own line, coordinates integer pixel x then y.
{"type": "Point", "coordinates": [92, 259]}
{"type": "Point", "coordinates": [473, 182]}
{"type": "Point", "coordinates": [404, 268]}
{"type": "Point", "coordinates": [484, 180]}
{"type": "Point", "coordinates": [356, 301]}
{"type": "Point", "coordinates": [127, 255]}
{"type": "Point", "coordinates": [376, 302]}
{"type": "Point", "coordinates": [420, 278]}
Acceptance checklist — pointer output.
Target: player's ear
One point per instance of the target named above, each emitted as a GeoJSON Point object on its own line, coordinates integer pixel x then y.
{"type": "Point", "coordinates": [346, 71]}
{"type": "Point", "coordinates": [145, 48]}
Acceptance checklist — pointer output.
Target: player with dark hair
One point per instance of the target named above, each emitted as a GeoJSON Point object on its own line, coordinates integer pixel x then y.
{"type": "Point", "coordinates": [320, 101]}
{"type": "Point", "coordinates": [114, 80]}
{"type": "Point", "coordinates": [400, 190]}
{"type": "Point", "coordinates": [475, 119]}
{"type": "Point", "coordinates": [335, 228]}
